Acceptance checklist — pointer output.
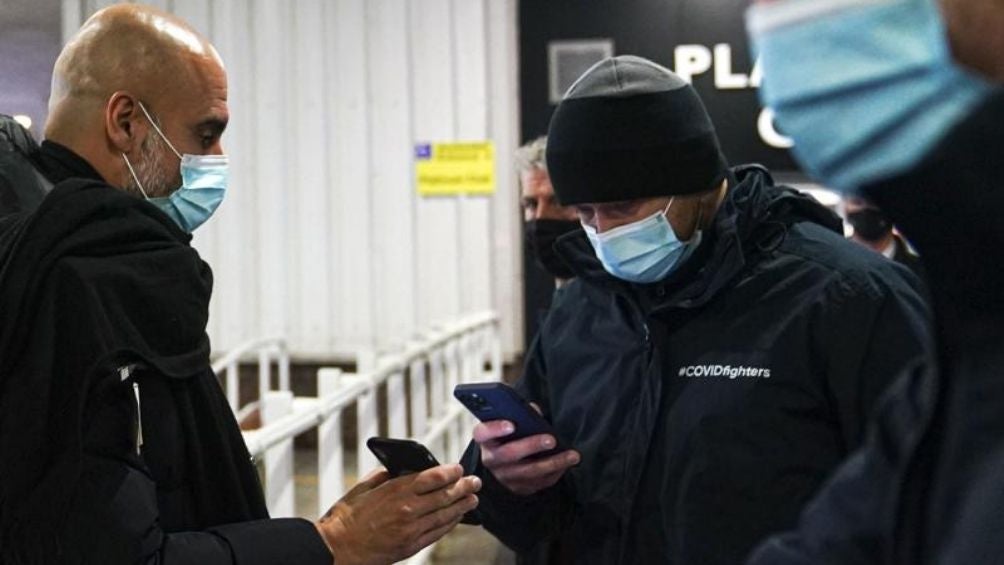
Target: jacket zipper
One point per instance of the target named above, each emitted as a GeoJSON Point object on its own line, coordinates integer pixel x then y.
{"type": "Point", "coordinates": [125, 373]}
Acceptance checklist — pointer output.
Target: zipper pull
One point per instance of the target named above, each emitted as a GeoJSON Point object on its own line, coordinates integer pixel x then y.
{"type": "Point", "coordinates": [139, 419]}
{"type": "Point", "coordinates": [125, 373]}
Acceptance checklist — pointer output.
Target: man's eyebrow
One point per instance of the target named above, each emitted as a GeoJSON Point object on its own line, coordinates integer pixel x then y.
{"type": "Point", "coordinates": [215, 125]}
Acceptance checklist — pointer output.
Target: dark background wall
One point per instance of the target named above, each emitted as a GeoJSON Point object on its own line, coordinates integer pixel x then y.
{"type": "Point", "coordinates": [652, 29]}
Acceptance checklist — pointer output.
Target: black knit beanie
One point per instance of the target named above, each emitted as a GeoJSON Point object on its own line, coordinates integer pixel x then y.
{"type": "Point", "coordinates": [629, 128]}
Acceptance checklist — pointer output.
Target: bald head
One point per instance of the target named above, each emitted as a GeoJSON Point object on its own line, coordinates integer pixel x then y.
{"type": "Point", "coordinates": [129, 54]}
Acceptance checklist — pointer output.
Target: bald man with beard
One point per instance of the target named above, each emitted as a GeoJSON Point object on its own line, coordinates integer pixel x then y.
{"type": "Point", "coordinates": [117, 443]}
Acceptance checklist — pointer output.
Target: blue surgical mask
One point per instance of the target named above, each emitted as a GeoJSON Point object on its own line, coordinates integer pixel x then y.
{"type": "Point", "coordinates": [871, 86]}
{"type": "Point", "coordinates": [204, 180]}
{"type": "Point", "coordinates": [645, 251]}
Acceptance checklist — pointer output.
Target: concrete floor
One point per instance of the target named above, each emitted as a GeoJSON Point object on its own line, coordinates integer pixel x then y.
{"type": "Point", "coordinates": [465, 545]}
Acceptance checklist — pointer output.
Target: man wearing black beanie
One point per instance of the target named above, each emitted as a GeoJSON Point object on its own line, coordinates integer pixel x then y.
{"type": "Point", "coordinates": [715, 357]}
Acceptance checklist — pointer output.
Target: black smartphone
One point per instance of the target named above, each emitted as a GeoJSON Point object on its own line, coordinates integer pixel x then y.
{"type": "Point", "coordinates": [498, 401]}
{"type": "Point", "coordinates": [401, 456]}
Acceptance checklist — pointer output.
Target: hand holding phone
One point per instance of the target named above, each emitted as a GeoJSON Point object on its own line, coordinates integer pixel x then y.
{"type": "Point", "coordinates": [518, 446]}
{"type": "Point", "coordinates": [498, 401]}
{"type": "Point", "coordinates": [401, 456]}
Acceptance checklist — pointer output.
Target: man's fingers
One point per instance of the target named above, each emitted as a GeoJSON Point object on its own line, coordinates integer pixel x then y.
{"type": "Point", "coordinates": [463, 487]}
{"type": "Point", "coordinates": [516, 450]}
{"type": "Point", "coordinates": [372, 480]}
{"type": "Point", "coordinates": [488, 431]}
{"type": "Point", "coordinates": [434, 501]}
{"type": "Point", "coordinates": [436, 478]}
{"type": "Point", "coordinates": [449, 514]}
{"type": "Point", "coordinates": [533, 471]}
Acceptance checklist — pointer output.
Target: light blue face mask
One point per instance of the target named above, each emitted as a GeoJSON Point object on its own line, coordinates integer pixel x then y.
{"type": "Point", "coordinates": [204, 180]}
{"type": "Point", "coordinates": [645, 251]}
{"type": "Point", "coordinates": [864, 87]}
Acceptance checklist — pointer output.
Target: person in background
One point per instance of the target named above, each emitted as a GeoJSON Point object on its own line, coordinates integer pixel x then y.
{"type": "Point", "coordinates": [874, 230]}
{"type": "Point", "coordinates": [715, 357]}
{"type": "Point", "coordinates": [118, 445]}
{"type": "Point", "coordinates": [22, 187]}
{"type": "Point", "coordinates": [900, 102]}
{"type": "Point", "coordinates": [544, 218]}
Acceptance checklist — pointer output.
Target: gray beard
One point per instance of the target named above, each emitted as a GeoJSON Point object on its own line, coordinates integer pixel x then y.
{"type": "Point", "coordinates": [150, 170]}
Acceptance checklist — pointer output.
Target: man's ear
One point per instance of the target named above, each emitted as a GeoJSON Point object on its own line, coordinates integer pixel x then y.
{"type": "Point", "coordinates": [125, 124]}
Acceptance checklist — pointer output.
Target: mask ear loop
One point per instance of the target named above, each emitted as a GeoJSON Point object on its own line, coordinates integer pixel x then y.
{"type": "Point", "coordinates": [700, 217]}
{"type": "Point", "coordinates": [156, 127]}
{"type": "Point", "coordinates": [668, 206]}
{"type": "Point", "coordinates": [134, 177]}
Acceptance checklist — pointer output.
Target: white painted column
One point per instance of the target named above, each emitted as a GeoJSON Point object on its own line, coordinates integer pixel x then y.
{"type": "Point", "coordinates": [330, 451]}
{"type": "Point", "coordinates": [419, 398]}
{"type": "Point", "coordinates": [279, 493]}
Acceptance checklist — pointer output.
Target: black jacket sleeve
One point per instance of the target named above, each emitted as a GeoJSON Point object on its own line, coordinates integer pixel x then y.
{"type": "Point", "coordinates": [521, 522]}
{"type": "Point", "coordinates": [871, 330]}
{"type": "Point", "coordinates": [852, 517]}
{"type": "Point", "coordinates": [114, 519]}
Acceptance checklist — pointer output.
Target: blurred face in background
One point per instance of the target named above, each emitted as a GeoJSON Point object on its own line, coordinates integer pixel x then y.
{"type": "Point", "coordinates": [538, 199]}
{"type": "Point", "coordinates": [545, 220]}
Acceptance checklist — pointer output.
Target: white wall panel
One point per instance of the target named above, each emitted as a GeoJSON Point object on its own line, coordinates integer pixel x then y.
{"type": "Point", "coordinates": [392, 263]}
{"type": "Point", "coordinates": [345, 72]}
{"type": "Point", "coordinates": [438, 243]}
{"type": "Point", "coordinates": [469, 39]}
{"type": "Point", "coordinates": [274, 191]}
{"type": "Point", "coordinates": [322, 237]}
{"type": "Point", "coordinates": [308, 189]}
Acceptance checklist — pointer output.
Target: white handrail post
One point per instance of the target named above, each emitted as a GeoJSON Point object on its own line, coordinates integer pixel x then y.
{"type": "Point", "coordinates": [397, 410]}
{"type": "Point", "coordinates": [419, 398]}
{"type": "Point", "coordinates": [283, 354]}
{"type": "Point", "coordinates": [330, 452]}
{"type": "Point", "coordinates": [438, 385]}
{"type": "Point", "coordinates": [367, 413]}
{"type": "Point", "coordinates": [453, 367]}
{"type": "Point", "coordinates": [452, 364]}
{"type": "Point", "coordinates": [471, 370]}
{"type": "Point", "coordinates": [264, 374]}
{"type": "Point", "coordinates": [496, 345]}
{"type": "Point", "coordinates": [233, 386]}
{"type": "Point", "coordinates": [366, 427]}
{"type": "Point", "coordinates": [479, 354]}
{"type": "Point", "coordinates": [278, 459]}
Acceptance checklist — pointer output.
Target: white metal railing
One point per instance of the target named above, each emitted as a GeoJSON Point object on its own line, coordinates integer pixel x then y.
{"type": "Point", "coordinates": [266, 350]}
{"type": "Point", "coordinates": [418, 404]}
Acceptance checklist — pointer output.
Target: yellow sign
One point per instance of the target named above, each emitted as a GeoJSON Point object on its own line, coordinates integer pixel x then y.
{"type": "Point", "coordinates": [449, 169]}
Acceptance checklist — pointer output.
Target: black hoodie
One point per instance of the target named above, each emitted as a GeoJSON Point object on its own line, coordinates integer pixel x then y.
{"type": "Point", "coordinates": [103, 306]}
{"type": "Point", "coordinates": [708, 407]}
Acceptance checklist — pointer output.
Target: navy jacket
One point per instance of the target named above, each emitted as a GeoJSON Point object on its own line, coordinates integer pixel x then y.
{"type": "Point", "coordinates": [709, 407]}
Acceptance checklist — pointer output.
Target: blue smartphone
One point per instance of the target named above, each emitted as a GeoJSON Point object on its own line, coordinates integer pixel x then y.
{"type": "Point", "coordinates": [498, 401]}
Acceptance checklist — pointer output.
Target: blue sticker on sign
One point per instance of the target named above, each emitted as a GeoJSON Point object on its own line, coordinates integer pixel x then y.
{"type": "Point", "coordinates": [423, 151]}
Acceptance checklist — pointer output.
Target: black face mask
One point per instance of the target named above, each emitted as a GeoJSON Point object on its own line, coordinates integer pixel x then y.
{"type": "Point", "coordinates": [540, 236]}
{"type": "Point", "coordinates": [869, 224]}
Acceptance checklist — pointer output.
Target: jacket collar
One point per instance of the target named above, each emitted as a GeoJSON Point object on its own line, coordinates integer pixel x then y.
{"type": "Point", "coordinates": [58, 163]}
{"type": "Point", "coordinates": [753, 219]}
